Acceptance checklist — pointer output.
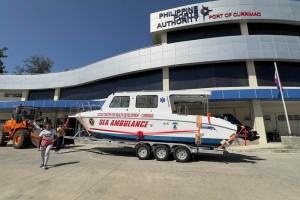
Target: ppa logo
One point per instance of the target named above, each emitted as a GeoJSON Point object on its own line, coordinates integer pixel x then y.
{"type": "Point", "coordinates": [205, 12]}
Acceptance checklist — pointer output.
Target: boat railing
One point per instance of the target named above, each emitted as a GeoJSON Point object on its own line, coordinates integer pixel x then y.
{"type": "Point", "coordinates": [83, 107]}
{"type": "Point", "coordinates": [182, 110]}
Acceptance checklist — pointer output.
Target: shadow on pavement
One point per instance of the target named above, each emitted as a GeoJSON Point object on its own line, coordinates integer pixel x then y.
{"type": "Point", "coordinates": [8, 145]}
{"type": "Point", "coordinates": [114, 151]}
{"type": "Point", "coordinates": [130, 152]}
{"type": "Point", "coordinates": [62, 164]}
{"type": "Point", "coordinates": [227, 158]}
{"type": "Point", "coordinates": [71, 146]}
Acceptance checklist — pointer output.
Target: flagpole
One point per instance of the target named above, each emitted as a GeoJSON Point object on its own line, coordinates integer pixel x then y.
{"type": "Point", "coordinates": [283, 102]}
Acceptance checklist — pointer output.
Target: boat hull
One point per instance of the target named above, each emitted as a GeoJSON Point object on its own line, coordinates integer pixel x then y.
{"type": "Point", "coordinates": [163, 128]}
{"type": "Point", "coordinates": [155, 138]}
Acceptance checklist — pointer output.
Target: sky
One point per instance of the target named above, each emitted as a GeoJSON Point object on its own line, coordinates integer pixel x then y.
{"type": "Point", "coordinates": [76, 33]}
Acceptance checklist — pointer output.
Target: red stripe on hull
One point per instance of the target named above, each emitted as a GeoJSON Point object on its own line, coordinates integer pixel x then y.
{"type": "Point", "coordinates": [145, 133]}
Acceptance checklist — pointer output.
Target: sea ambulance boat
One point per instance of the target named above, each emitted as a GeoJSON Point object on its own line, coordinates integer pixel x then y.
{"type": "Point", "coordinates": [164, 116]}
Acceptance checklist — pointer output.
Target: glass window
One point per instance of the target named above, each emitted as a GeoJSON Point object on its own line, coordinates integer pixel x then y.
{"type": "Point", "coordinates": [288, 73]}
{"type": "Point", "coordinates": [209, 75]}
{"type": "Point", "coordinates": [220, 30]}
{"type": "Point", "coordinates": [291, 117]}
{"type": "Point", "coordinates": [273, 29]}
{"type": "Point", "coordinates": [150, 80]}
{"type": "Point", "coordinates": [41, 95]}
{"type": "Point", "coordinates": [120, 102]}
{"type": "Point", "coordinates": [146, 101]}
{"type": "Point", "coordinates": [267, 117]}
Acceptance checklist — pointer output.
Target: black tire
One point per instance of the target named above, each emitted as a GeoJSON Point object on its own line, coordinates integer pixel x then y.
{"type": "Point", "coordinates": [2, 138]}
{"type": "Point", "coordinates": [162, 152]}
{"type": "Point", "coordinates": [21, 139]}
{"type": "Point", "coordinates": [143, 151]}
{"type": "Point", "coordinates": [181, 154]}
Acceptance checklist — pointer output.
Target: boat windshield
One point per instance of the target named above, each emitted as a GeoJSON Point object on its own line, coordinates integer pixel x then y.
{"type": "Point", "coordinates": [189, 104]}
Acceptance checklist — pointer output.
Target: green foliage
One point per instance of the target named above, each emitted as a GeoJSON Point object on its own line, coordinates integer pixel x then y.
{"type": "Point", "coordinates": [2, 55]}
{"type": "Point", "coordinates": [35, 65]}
{"type": "Point", "coordinates": [19, 70]}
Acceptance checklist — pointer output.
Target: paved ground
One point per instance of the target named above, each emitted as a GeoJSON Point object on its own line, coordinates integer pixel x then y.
{"type": "Point", "coordinates": [83, 172]}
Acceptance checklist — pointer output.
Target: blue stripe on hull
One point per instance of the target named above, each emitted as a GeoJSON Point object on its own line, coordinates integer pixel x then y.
{"type": "Point", "coordinates": [184, 140]}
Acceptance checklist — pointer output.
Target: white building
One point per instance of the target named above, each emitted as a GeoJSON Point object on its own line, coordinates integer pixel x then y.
{"type": "Point", "coordinates": [227, 46]}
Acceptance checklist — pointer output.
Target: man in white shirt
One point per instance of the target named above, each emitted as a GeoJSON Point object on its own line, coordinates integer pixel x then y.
{"type": "Point", "coordinates": [47, 137]}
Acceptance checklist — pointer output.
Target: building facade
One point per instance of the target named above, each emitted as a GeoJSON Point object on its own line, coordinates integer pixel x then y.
{"type": "Point", "coordinates": [226, 46]}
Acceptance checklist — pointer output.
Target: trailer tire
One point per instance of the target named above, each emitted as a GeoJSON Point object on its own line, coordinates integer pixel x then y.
{"type": "Point", "coordinates": [161, 152]}
{"type": "Point", "coordinates": [21, 139]}
{"type": "Point", "coordinates": [2, 138]}
{"type": "Point", "coordinates": [143, 151]}
{"type": "Point", "coordinates": [181, 154]}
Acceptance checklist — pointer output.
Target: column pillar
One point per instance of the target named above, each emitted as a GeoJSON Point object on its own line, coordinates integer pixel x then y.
{"type": "Point", "coordinates": [256, 109]}
{"type": "Point", "coordinates": [57, 94]}
{"type": "Point", "coordinates": [25, 94]}
{"type": "Point", "coordinates": [258, 121]}
{"type": "Point", "coordinates": [251, 74]}
{"type": "Point", "coordinates": [166, 83]}
{"type": "Point", "coordinates": [164, 38]}
{"type": "Point", "coordinates": [244, 28]}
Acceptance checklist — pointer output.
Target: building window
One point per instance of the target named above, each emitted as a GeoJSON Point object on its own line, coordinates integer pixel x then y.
{"type": "Point", "coordinates": [120, 102]}
{"type": "Point", "coordinates": [146, 101]}
{"type": "Point", "coordinates": [273, 29]}
{"type": "Point", "coordinates": [209, 75]}
{"type": "Point", "coordinates": [288, 73]}
{"type": "Point", "coordinates": [41, 95]}
{"type": "Point", "coordinates": [291, 117]}
{"type": "Point", "coordinates": [203, 32]}
{"type": "Point", "coordinates": [267, 117]}
{"type": "Point", "coordinates": [151, 80]}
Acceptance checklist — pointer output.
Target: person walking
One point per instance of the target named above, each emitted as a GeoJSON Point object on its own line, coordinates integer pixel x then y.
{"type": "Point", "coordinates": [60, 137]}
{"type": "Point", "coordinates": [47, 137]}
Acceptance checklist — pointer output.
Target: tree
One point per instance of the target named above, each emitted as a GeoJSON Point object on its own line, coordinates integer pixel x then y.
{"type": "Point", "coordinates": [19, 70]}
{"type": "Point", "coordinates": [2, 67]}
{"type": "Point", "coordinates": [35, 65]}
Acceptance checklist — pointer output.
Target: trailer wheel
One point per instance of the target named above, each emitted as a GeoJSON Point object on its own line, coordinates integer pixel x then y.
{"type": "Point", "coordinates": [21, 139]}
{"type": "Point", "coordinates": [161, 152]}
{"type": "Point", "coordinates": [2, 138]}
{"type": "Point", "coordinates": [143, 151]}
{"type": "Point", "coordinates": [181, 154]}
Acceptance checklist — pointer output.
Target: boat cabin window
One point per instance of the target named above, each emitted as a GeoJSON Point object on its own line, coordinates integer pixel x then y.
{"type": "Point", "coordinates": [189, 104]}
{"type": "Point", "coordinates": [120, 102]}
{"type": "Point", "coordinates": [146, 101]}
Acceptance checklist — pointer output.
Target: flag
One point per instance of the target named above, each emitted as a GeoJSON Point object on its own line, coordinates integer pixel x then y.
{"type": "Point", "coordinates": [277, 81]}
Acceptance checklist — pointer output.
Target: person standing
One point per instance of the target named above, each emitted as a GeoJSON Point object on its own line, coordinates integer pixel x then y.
{"type": "Point", "coordinates": [60, 137]}
{"type": "Point", "coordinates": [47, 137]}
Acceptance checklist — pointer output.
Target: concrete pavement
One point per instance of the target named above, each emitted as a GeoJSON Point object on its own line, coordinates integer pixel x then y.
{"type": "Point", "coordinates": [91, 172]}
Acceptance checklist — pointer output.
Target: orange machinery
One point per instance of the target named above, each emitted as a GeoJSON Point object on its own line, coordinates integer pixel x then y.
{"type": "Point", "coordinates": [20, 127]}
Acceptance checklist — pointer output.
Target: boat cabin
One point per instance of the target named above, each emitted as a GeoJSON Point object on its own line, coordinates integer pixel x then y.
{"type": "Point", "coordinates": [175, 102]}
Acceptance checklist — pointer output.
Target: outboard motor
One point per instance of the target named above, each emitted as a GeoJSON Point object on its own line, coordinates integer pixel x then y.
{"type": "Point", "coordinates": [247, 133]}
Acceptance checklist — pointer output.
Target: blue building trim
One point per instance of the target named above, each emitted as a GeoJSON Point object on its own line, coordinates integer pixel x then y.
{"type": "Point", "coordinates": [252, 94]}
{"type": "Point", "coordinates": [218, 95]}
{"type": "Point", "coordinates": [53, 104]}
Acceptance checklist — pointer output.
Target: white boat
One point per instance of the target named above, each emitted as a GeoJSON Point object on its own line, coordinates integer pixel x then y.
{"type": "Point", "coordinates": [164, 116]}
